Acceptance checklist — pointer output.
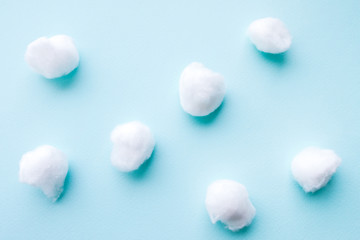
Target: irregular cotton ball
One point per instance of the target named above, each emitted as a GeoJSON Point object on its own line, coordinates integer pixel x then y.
{"type": "Point", "coordinates": [269, 35]}
{"type": "Point", "coordinates": [52, 57]}
{"type": "Point", "coordinates": [228, 201]}
{"type": "Point", "coordinates": [201, 90]}
{"type": "Point", "coordinates": [133, 145]}
{"type": "Point", "coordinates": [313, 167]}
{"type": "Point", "coordinates": [46, 168]}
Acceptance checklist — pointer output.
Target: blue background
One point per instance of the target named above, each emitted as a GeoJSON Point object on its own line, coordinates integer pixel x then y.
{"type": "Point", "coordinates": [132, 54]}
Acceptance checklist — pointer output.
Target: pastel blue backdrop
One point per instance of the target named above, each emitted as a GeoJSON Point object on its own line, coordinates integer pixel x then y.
{"type": "Point", "coordinates": [132, 54]}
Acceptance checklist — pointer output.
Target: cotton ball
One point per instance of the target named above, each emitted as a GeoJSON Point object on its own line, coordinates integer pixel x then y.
{"type": "Point", "coordinates": [46, 168]}
{"type": "Point", "coordinates": [52, 57]}
{"type": "Point", "coordinates": [313, 167]}
{"type": "Point", "coordinates": [228, 201]}
{"type": "Point", "coordinates": [201, 90]}
{"type": "Point", "coordinates": [133, 145]}
{"type": "Point", "coordinates": [269, 35]}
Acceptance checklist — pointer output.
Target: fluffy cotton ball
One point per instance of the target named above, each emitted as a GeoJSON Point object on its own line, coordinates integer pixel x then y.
{"type": "Point", "coordinates": [46, 168]}
{"type": "Point", "coordinates": [201, 90]}
{"type": "Point", "coordinates": [133, 145]}
{"type": "Point", "coordinates": [313, 167]}
{"type": "Point", "coordinates": [52, 57]}
{"type": "Point", "coordinates": [269, 35]}
{"type": "Point", "coordinates": [228, 201]}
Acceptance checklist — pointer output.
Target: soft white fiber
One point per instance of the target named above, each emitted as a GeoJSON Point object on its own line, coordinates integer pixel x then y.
{"type": "Point", "coordinates": [133, 145]}
{"type": "Point", "coordinates": [269, 35]}
{"type": "Point", "coordinates": [201, 90]}
{"type": "Point", "coordinates": [52, 57]}
{"type": "Point", "coordinates": [313, 167]}
{"type": "Point", "coordinates": [46, 168]}
{"type": "Point", "coordinates": [228, 201]}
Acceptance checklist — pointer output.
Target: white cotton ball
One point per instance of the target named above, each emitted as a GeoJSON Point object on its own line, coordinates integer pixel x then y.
{"type": "Point", "coordinates": [46, 168]}
{"type": "Point", "coordinates": [133, 145]}
{"type": "Point", "coordinates": [52, 57]}
{"type": "Point", "coordinates": [228, 201]}
{"type": "Point", "coordinates": [313, 167]}
{"type": "Point", "coordinates": [269, 35]}
{"type": "Point", "coordinates": [201, 90]}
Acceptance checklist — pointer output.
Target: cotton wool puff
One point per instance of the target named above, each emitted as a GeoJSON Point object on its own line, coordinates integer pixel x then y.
{"type": "Point", "coordinates": [201, 90]}
{"type": "Point", "coordinates": [52, 57]}
{"type": "Point", "coordinates": [228, 201]}
{"type": "Point", "coordinates": [46, 168]}
{"type": "Point", "coordinates": [269, 35]}
{"type": "Point", "coordinates": [313, 167]}
{"type": "Point", "coordinates": [133, 145]}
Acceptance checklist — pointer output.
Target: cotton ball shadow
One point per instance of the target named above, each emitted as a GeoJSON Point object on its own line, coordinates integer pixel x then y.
{"type": "Point", "coordinates": [144, 170]}
{"type": "Point", "coordinates": [322, 195]}
{"type": "Point", "coordinates": [277, 59]}
{"type": "Point", "coordinates": [209, 119]}
{"type": "Point", "coordinates": [68, 186]}
{"type": "Point", "coordinates": [64, 82]}
{"type": "Point", "coordinates": [138, 176]}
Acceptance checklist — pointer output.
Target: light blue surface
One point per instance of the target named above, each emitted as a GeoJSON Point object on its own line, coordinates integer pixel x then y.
{"type": "Point", "coordinates": [132, 54]}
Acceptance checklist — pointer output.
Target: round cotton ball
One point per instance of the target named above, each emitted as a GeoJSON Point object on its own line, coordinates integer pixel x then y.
{"type": "Point", "coordinates": [313, 167]}
{"type": "Point", "coordinates": [201, 90]}
{"type": "Point", "coordinates": [52, 57]}
{"type": "Point", "coordinates": [269, 35]}
{"type": "Point", "coordinates": [46, 168]}
{"type": "Point", "coordinates": [228, 201]}
{"type": "Point", "coordinates": [133, 145]}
